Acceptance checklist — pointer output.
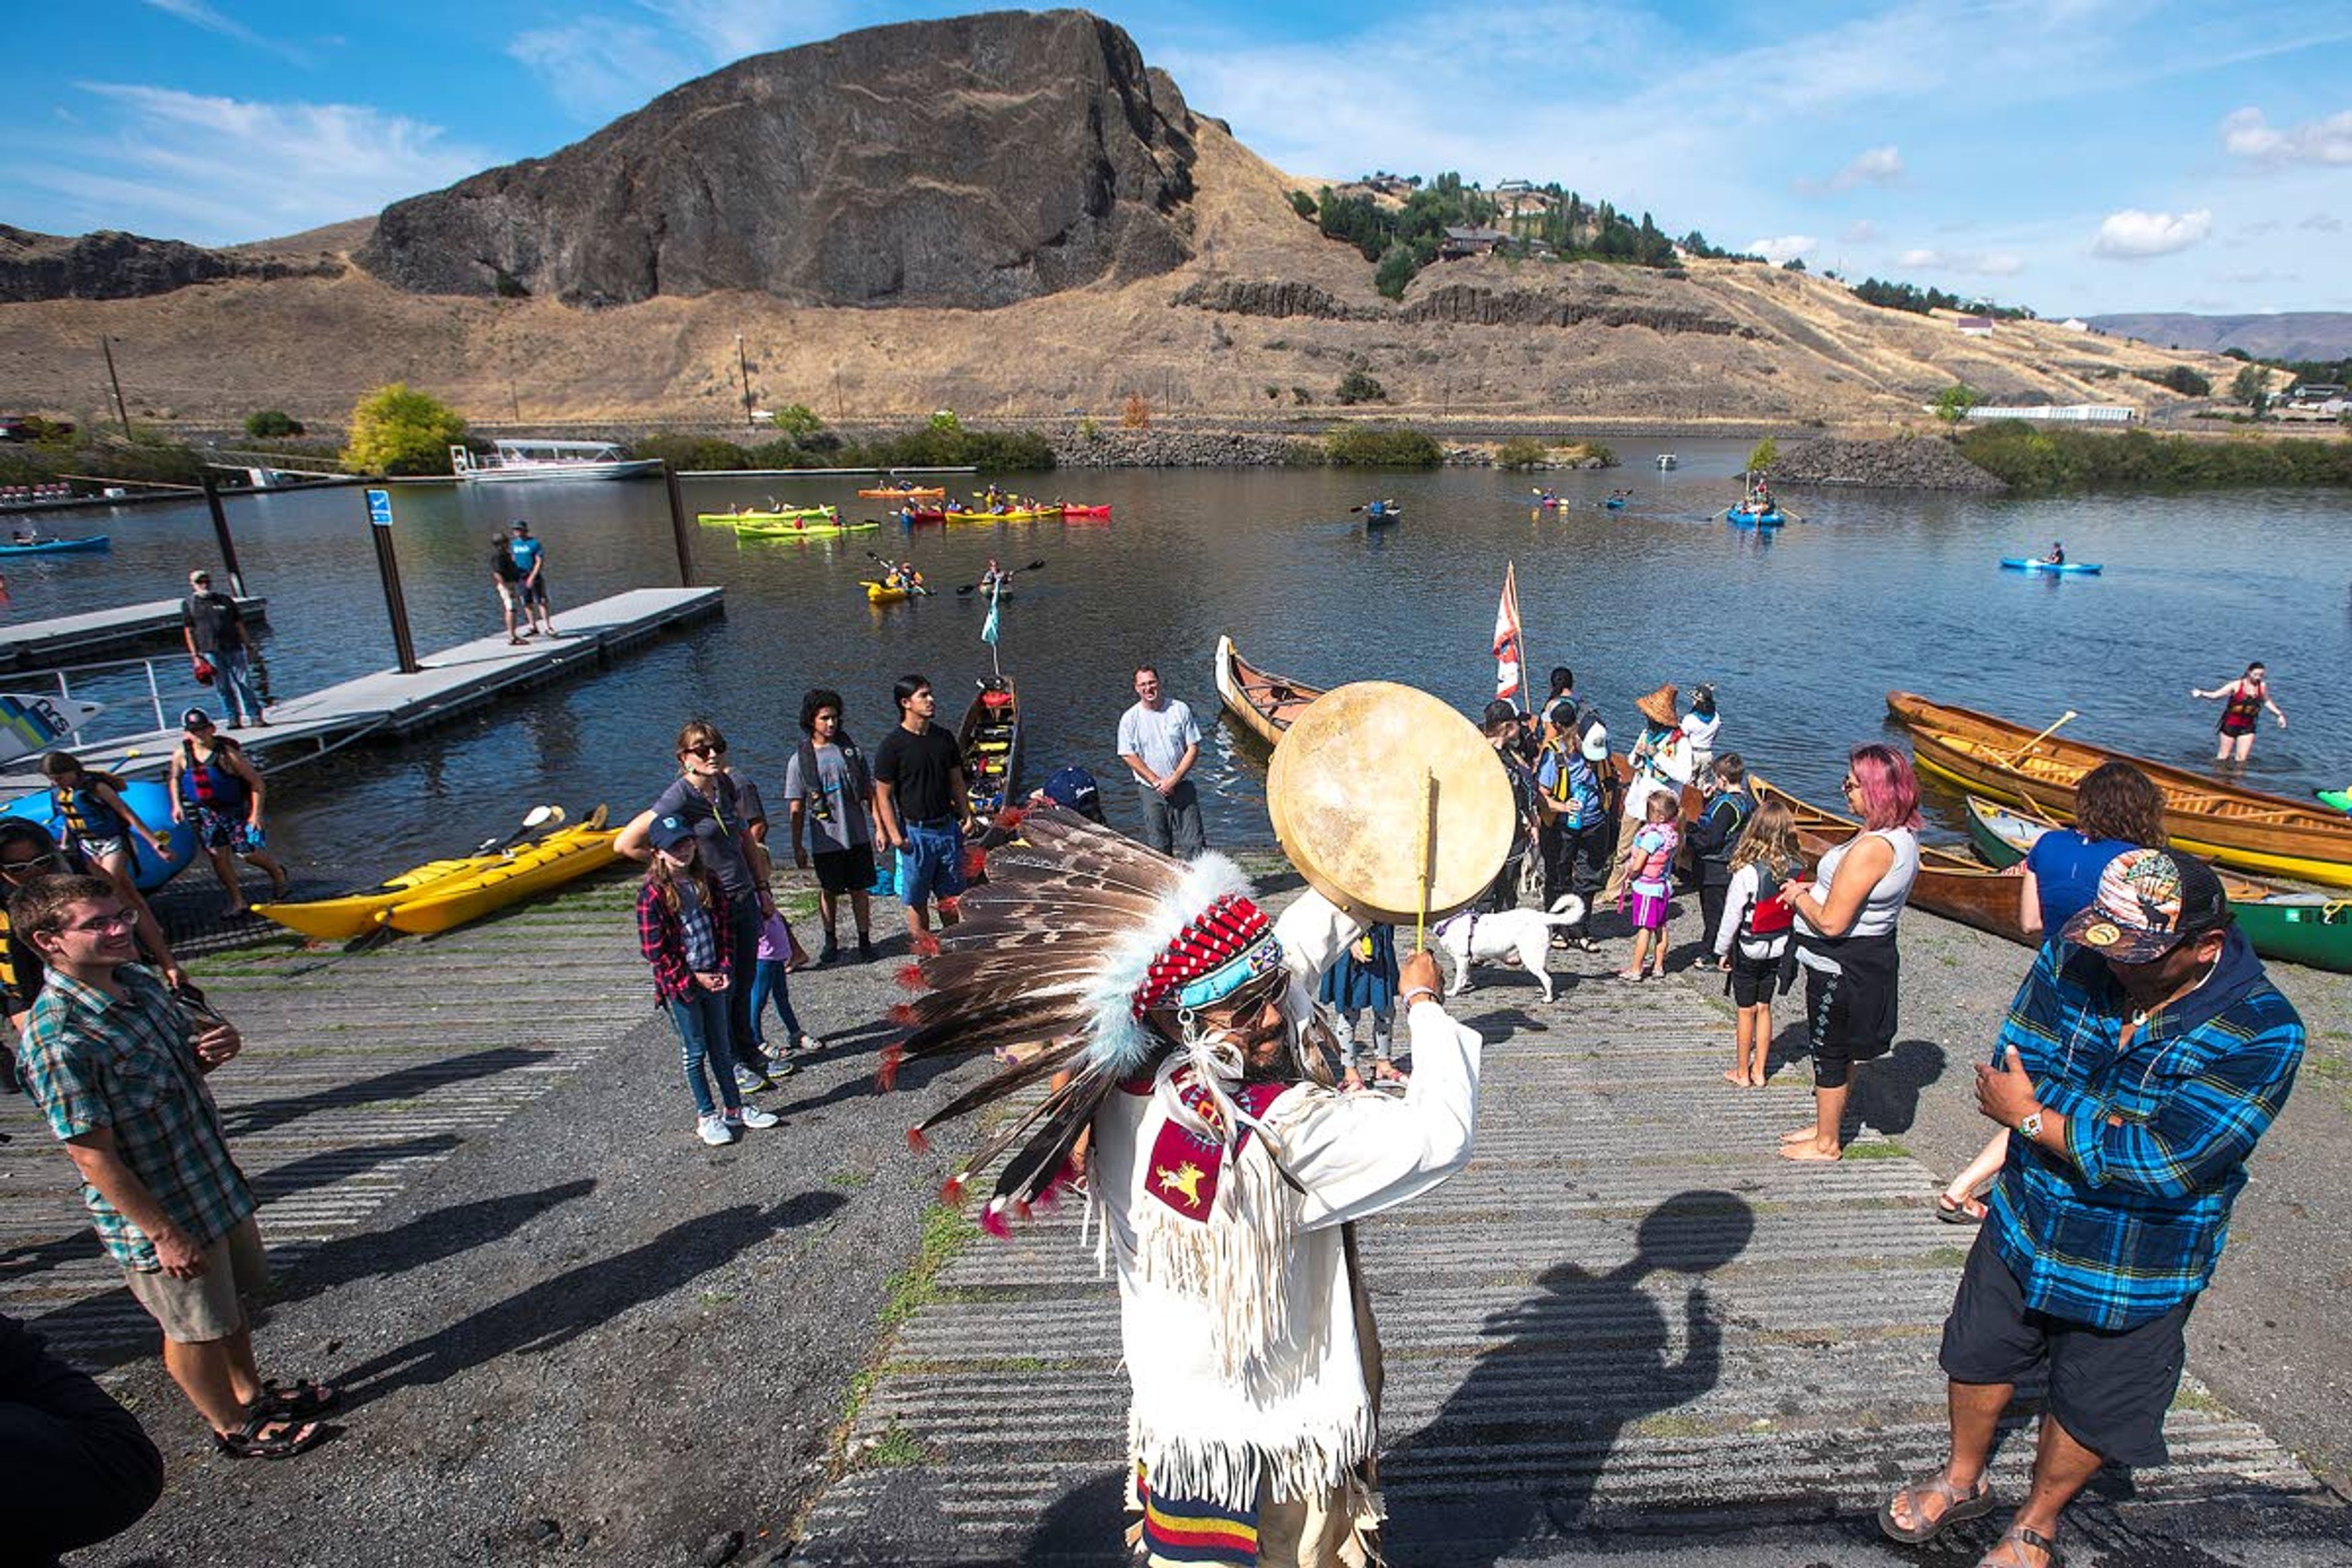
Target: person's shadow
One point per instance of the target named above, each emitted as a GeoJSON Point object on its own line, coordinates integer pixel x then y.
{"type": "Point", "coordinates": [1519, 1447]}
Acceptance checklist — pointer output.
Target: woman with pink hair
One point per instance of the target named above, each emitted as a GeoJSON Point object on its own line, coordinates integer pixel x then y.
{"type": "Point", "coordinates": [1845, 939]}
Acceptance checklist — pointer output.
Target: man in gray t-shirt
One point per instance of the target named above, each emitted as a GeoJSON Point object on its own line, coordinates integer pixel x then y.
{"type": "Point", "coordinates": [1160, 744]}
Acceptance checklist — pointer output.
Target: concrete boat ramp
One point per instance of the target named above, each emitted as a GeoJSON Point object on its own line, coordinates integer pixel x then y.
{"type": "Point", "coordinates": [1629, 1331]}
{"type": "Point", "coordinates": [391, 703]}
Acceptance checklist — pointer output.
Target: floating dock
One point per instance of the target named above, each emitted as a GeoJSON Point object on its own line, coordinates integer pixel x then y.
{"type": "Point", "coordinates": [96, 633]}
{"type": "Point", "coordinates": [391, 703]}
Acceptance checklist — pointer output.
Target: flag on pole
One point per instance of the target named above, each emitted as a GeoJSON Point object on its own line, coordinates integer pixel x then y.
{"type": "Point", "coordinates": [988, 627]}
{"type": "Point", "coordinates": [1510, 641]}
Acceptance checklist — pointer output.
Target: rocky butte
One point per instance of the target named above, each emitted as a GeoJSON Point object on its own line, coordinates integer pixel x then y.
{"type": "Point", "coordinates": [972, 163]}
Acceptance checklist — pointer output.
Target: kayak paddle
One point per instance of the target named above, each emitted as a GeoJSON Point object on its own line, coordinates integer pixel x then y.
{"type": "Point", "coordinates": [974, 587]}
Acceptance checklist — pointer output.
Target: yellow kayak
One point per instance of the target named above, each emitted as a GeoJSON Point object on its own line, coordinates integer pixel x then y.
{"type": "Point", "coordinates": [884, 594]}
{"type": "Point", "coordinates": [955, 516]}
{"type": "Point", "coordinates": [549, 863]}
{"type": "Point", "coordinates": [354, 914]}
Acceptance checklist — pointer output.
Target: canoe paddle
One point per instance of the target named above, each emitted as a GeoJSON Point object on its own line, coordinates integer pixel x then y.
{"type": "Point", "coordinates": [973, 587]}
{"type": "Point", "coordinates": [540, 816]}
{"type": "Point", "coordinates": [2011, 761]}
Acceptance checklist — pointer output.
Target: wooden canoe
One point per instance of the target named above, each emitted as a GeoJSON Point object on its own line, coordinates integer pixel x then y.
{"type": "Point", "coordinates": [2290, 924]}
{"type": "Point", "coordinates": [989, 740]}
{"type": "Point", "coordinates": [1949, 885]}
{"type": "Point", "coordinates": [1261, 703]}
{"type": "Point", "coordinates": [2245, 828]}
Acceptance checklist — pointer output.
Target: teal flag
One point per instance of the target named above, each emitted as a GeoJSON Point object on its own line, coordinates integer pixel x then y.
{"type": "Point", "coordinates": [988, 627]}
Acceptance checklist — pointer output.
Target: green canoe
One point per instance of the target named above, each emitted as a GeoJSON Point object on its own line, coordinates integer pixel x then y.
{"type": "Point", "coordinates": [2290, 925]}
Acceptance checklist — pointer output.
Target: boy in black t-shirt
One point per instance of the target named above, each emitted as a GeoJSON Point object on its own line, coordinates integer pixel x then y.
{"type": "Point", "coordinates": [918, 794]}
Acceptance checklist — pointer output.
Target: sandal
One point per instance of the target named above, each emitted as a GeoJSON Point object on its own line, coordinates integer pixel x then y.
{"type": "Point", "coordinates": [269, 1434]}
{"type": "Point", "coordinates": [1968, 1211]}
{"type": "Point", "coordinates": [1388, 1072]}
{"type": "Point", "coordinates": [305, 1399]}
{"type": "Point", "coordinates": [1960, 1503]}
{"type": "Point", "coordinates": [2009, 1552]}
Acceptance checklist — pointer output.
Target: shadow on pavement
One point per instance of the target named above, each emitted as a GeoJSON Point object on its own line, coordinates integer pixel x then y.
{"type": "Point", "coordinates": [405, 1083]}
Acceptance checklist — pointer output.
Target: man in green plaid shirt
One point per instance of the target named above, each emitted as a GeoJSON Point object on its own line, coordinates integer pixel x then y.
{"type": "Point", "coordinates": [118, 1067]}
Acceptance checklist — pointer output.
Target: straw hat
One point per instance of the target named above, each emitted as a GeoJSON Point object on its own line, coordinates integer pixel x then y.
{"type": "Point", "coordinates": [1659, 707]}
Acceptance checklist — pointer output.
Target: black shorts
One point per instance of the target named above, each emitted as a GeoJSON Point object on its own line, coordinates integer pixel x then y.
{"type": "Point", "coordinates": [2108, 1387]}
{"type": "Point", "coordinates": [1850, 1018]}
{"type": "Point", "coordinates": [1752, 979]}
{"type": "Point", "coordinates": [847, 870]}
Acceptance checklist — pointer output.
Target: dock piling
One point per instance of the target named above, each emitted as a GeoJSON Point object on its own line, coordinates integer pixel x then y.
{"type": "Point", "coordinates": [221, 534]}
{"type": "Point", "coordinates": [680, 534]}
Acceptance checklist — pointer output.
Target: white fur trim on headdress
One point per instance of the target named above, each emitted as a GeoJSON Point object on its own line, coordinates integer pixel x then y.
{"type": "Point", "coordinates": [1121, 1041]}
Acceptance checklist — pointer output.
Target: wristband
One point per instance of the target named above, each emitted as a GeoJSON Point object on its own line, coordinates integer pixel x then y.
{"type": "Point", "coordinates": [1418, 990]}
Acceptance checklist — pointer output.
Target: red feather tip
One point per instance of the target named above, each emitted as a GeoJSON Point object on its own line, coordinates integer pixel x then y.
{"type": "Point", "coordinates": [888, 1077]}
{"type": "Point", "coordinates": [1009, 817]}
{"type": "Point", "coordinates": [1020, 1208]}
{"type": "Point", "coordinates": [975, 861]}
{"type": "Point", "coordinates": [951, 1191]}
{"type": "Point", "coordinates": [902, 1015]}
{"type": "Point", "coordinates": [927, 946]}
{"type": "Point", "coordinates": [992, 1220]}
{"type": "Point", "coordinates": [918, 1141]}
{"type": "Point", "coordinates": [910, 975]}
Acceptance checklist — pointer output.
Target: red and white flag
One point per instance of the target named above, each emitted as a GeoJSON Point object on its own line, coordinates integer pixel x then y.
{"type": "Point", "coordinates": [1510, 644]}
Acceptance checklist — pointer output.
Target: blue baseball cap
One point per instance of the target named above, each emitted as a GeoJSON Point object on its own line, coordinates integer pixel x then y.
{"type": "Point", "coordinates": [670, 832]}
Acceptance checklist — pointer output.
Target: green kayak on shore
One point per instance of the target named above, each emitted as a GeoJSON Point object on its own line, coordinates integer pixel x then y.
{"type": "Point", "coordinates": [2293, 925]}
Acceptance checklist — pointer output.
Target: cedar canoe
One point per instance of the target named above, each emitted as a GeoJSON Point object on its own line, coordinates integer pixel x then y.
{"type": "Point", "coordinates": [1261, 703]}
{"type": "Point", "coordinates": [2290, 924]}
{"type": "Point", "coordinates": [1949, 885]}
{"type": "Point", "coordinates": [989, 740]}
{"type": "Point", "coordinates": [2236, 826]}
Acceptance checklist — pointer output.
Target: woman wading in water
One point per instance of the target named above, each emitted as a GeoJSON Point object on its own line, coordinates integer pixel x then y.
{"type": "Point", "coordinates": [2243, 700]}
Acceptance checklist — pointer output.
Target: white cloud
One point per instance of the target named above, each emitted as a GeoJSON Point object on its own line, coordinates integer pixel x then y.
{"type": "Point", "coordinates": [1876, 166]}
{"type": "Point", "coordinates": [2135, 236]}
{"type": "Point", "coordinates": [2248, 134]}
{"type": "Point", "coordinates": [597, 65]}
{"type": "Point", "coordinates": [1783, 248]}
{"type": "Point", "coordinates": [221, 169]}
{"type": "Point", "coordinates": [198, 14]}
{"type": "Point", "coordinates": [1861, 231]}
{"type": "Point", "coordinates": [2322, 223]}
{"type": "Point", "coordinates": [1978, 263]}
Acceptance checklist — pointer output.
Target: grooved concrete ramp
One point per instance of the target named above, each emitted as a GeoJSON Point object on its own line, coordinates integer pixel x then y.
{"type": "Point", "coordinates": [1628, 1331]}
{"type": "Point", "coordinates": [361, 1073]}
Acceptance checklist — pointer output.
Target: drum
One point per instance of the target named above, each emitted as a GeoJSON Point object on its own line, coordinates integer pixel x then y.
{"type": "Point", "coordinates": [1375, 785]}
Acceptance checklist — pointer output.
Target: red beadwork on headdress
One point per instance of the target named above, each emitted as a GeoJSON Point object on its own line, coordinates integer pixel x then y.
{"type": "Point", "coordinates": [1219, 934]}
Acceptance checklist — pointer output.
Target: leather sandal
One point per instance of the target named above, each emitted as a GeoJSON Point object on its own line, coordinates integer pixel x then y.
{"type": "Point", "coordinates": [269, 1434]}
{"type": "Point", "coordinates": [303, 1399]}
{"type": "Point", "coordinates": [2009, 1552]}
{"type": "Point", "coordinates": [1960, 1503]}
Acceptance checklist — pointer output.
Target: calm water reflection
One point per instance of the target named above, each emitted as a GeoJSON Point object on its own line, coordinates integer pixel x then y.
{"type": "Point", "coordinates": [1802, 633]}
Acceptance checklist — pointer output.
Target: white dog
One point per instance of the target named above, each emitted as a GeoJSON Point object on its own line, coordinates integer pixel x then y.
{"type": "Point", "coordinates": [1471, 936]}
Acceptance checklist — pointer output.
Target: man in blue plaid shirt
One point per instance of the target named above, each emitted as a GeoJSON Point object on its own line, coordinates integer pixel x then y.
{"type": "Point", "coordinates": [2141, 1062]}
{"type": "Point", "coordinates": [119, 1069]}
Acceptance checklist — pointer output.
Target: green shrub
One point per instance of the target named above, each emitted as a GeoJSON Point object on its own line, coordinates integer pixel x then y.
{"type": "Point", "coordinates": [1357, 447]}
{"type": "Point", "coordinates": [1523, 452]}
{"type": "Point", "coordinates": [267, 423]}
{"type": "Point", "coordinates": [396, 430]}
{"type": "Point", "coordinates": [1763, 455]}
{"type": "Point", "coordinates": [1398, 267]}
{"type": "Point", "coordinates": [2043, 460]}
{"type": "Point", "coordinates": [1302, 204]}
{"type": "Point", "coordinates": [2178, 378]}
{"type": "Point", "coordinates": [1301, 396]}
{"type": "Point", "coordinates": [695, 454]}
{"type": "Point", "coordinates": [1359, 385]}
{"type": "Point", "coordinates": [1953, 403]}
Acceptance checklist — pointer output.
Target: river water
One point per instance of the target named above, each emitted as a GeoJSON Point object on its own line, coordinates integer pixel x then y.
{"type": "Point", "coordinates": [1803, 632]}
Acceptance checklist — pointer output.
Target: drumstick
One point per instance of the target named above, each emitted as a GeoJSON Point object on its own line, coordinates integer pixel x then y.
{"type": "Point", "coordinates": [1428, 843]}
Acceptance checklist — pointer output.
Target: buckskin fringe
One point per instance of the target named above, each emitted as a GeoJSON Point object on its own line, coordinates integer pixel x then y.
{"type": "Point", "coordinates": [1229, 1472]}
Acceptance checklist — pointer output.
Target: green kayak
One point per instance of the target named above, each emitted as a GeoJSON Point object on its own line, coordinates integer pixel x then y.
{"type": "Point", "coordinates": [800, 531]}
{"type": "Point", "coordinates": [2290, 925]}
{"type": "Point", "coordinates": [2341, 799]}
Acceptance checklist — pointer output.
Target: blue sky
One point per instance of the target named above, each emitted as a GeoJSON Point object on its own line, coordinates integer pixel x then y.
{"type": "Point", "coordinates": [2073, 155]}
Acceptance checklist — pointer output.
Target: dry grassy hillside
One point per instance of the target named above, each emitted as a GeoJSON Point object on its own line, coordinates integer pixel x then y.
{"type": "Point", "coordinates": [1265, 306]}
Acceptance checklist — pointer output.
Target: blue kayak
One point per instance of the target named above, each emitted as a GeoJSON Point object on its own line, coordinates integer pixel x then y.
{"type": "Point", "coordinates": [1380, 511]}
{"type": "Point", "coordinates": [1739, 518]}
{"type": "Point", "coordinates": [1614, 503]}
{"type": "Point", "coordinates": [2021, 564]}
{"type": "Point", "coordinates": [57, 547]}
{"type": "Point", "coordinates": [153, 803]}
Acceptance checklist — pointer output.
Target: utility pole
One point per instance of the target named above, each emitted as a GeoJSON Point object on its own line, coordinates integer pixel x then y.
{"type": "Point", "coordinates": [106, 347]}
{"type": "Point", "coordinates": [743, 369]}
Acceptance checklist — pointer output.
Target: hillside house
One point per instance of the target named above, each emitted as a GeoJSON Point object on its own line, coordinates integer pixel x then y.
{"type": "Point", "coordinates": [1461, 243]}
{"type": "Point", "coordinates": [2317, 400]}
{"type": "Point", "coordinates": [1974, 326]}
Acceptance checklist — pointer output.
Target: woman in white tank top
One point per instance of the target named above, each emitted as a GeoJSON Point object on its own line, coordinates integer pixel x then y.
{"type": "Point", "coordinates": [1845, 939]}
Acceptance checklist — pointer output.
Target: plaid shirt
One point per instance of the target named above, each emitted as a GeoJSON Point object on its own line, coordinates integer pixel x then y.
{"type": "Point", "coordinates": [662, 939]}
{"type": "Point", "coordinates": [94, 1062]}
{"type": "Point", "coordinates": [2131, 1221]}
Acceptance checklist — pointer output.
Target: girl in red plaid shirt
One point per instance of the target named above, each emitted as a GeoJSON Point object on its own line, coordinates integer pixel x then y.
{"type": "Point", "coordinates": [682, 930]}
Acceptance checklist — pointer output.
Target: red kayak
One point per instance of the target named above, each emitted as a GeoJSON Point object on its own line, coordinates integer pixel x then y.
{"type": "Point", "coordinates": [913, 514]}
{"type": "Point", "coordinates": [1085, 511]}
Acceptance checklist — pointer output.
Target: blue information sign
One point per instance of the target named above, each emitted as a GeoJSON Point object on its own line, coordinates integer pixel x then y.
{"type": "Point", "coordinates": [380, 508]}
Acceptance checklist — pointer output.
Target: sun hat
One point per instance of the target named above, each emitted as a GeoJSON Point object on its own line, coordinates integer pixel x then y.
{"type": "Point", "coordinates": [1660, 706]}
{"type": "Point", "coordinates": [2148, 902]}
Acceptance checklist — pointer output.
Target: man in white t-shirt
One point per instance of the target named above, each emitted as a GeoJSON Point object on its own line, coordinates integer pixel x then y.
{"type": "Point", "coordinates": [1160, 742]}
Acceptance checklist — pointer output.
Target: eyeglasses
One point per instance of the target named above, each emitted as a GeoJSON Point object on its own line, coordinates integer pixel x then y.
{"type": "Point", "coordinates": [1850, 785]}
{"type": "Point", "coordinates": [107, 925]}
{"type": "Point", "coordinates": [23, 868]}
{"type": "Point", "coordinates": [706, 750]}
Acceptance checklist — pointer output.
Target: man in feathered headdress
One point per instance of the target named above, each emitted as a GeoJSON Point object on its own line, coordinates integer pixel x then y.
{"type": "Point", "coordinates": [1178, 1023]}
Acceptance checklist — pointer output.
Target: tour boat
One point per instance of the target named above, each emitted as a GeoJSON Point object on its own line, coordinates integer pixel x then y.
{"type": "Point", "coordinates": [535, 459]}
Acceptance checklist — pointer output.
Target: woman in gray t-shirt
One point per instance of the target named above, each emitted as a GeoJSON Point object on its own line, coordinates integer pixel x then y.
{"type": "Point", "coordinates": [831, 795]}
